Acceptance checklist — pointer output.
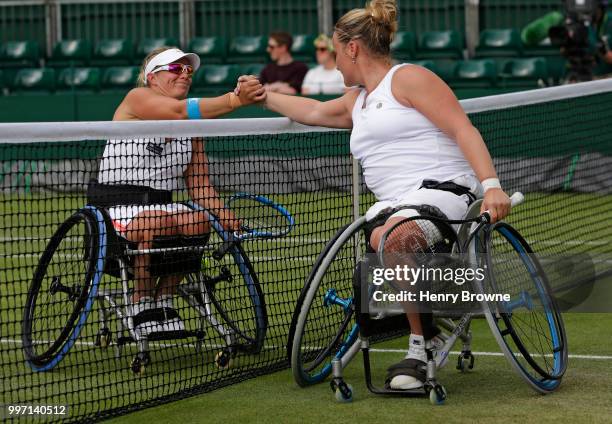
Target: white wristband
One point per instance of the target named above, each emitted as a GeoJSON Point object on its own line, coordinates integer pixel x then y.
{"type": "Point", "coordinates": [490, 183]}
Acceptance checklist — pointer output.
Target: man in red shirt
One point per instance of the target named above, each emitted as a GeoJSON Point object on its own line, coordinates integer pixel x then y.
{"type": "Point", "coordinates": [284, 75]}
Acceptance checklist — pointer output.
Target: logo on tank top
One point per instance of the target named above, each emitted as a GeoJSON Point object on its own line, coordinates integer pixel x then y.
{"type": "Point", "coordinates": [154, 148]}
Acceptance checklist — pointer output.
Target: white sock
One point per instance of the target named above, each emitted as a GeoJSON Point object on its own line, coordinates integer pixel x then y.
{"type": "Point", "coordinates": [143, 304]}
{"type": "Point", "coordinates": [416, 348]}
{"type": "Point", "coordinates": [165, 301]}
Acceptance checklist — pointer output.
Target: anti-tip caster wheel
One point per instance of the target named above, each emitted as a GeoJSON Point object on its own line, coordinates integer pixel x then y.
{"type": "Point", "coordinates": [465, 361]}
{"type": "Point", "coordinates": [140, 362]}
{"type": "Point", "coordinates": [343, 392]}
{"type": "Point", "coordinates": [223, 359]}
{"type": "Point", "coordinates": [103, 338]}
{"type": "Point", "coordinates": [437, 395]}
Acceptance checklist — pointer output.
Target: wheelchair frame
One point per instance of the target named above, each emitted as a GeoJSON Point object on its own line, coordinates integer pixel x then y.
{"type": "Point", "coordinates": [198, 293]}
{"type": "Point", "coordinates": [346, 343]}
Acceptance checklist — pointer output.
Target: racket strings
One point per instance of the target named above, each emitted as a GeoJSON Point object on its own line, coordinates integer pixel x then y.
{"type": "Point", "coordinates": [255, 215]}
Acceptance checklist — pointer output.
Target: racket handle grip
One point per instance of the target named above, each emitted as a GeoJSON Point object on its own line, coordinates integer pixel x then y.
{"type": "Point", "coordinates": [516, 199]}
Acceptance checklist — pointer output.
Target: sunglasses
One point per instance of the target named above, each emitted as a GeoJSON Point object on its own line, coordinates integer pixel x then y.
{"type": "Point", "coordinates": [321, 49]}
{"type": "Point", "coordinates": [176, 68]}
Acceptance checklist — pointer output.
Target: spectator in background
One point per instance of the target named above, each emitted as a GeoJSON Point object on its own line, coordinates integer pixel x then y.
{"type": "Point", "coordinates": [325, 78]}
{"type": "Point", "coordinates": [284, 75]}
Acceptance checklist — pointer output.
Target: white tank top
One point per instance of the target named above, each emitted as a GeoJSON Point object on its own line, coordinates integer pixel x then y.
{"type": "Point", "coordinates": [153, 162]}
{"type": "Point", "coordinates": [398, 147]}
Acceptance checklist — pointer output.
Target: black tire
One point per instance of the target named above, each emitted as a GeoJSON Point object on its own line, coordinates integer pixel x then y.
{"type": "Point", "coordinates": [237, 295]}
{"type": "Point", "coordinates": [529, 328]}
{"type": "Point", "coordinates": [61, 287]}
{"type": "Point", "coordinates": [320, 333]}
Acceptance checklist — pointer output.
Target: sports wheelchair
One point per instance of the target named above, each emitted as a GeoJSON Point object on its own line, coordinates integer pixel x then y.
{"type": "Point", "coordinates": [220, 285]}
{"type": "Point", "coordinates": [330, 325]}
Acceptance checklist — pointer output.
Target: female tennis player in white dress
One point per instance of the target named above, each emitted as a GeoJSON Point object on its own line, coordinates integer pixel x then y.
{"type": "Point", "coordinates": [407, 127]}
{"type": "Point", "coordinates": [168, 165]}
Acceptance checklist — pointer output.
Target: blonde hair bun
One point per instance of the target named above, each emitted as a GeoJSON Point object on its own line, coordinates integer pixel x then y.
{"type": "Point", "coordinates": [384, 12]}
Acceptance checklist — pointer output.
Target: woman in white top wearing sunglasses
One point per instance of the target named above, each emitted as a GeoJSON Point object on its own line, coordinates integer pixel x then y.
{"type": "Point", "coordinates": [166, 165]}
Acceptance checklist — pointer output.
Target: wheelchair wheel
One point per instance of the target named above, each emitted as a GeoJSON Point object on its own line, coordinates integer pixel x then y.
{"type": "Point", "coordinates": [62, 289]}
{"type": "Point", "coordinates": [528, 328]}
{"type": "Point", "coordinates": [323, 325]}
{"type": "Point", "coordinates": [236, 294]}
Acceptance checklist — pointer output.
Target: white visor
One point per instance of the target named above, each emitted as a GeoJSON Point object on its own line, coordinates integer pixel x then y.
{"type": "Point", "coordinates": [170, 56]}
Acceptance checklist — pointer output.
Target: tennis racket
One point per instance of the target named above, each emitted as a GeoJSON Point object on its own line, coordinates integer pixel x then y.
{"type": "Point", "coordinates": [259, 216]}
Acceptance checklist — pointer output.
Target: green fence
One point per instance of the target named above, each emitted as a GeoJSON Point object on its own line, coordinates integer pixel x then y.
{"type": "Point", "coordinates": [245, 17]}
{"type": "Point", "coordinates": [22, 20]}
{"type": "Point", "coordinates": [132, 20]}
{"type": "Point", "coordinates": [138, 19]}
{"type": "Point", "coordinates": [514, 13]}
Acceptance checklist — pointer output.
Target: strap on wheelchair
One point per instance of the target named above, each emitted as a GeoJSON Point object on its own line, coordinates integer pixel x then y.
{"type": "Point", "coordinates": [411, 367]}
{"type": "Point", "coordinates": [106, 195]}
{"type": "Point", "coordinates": [451, 187]}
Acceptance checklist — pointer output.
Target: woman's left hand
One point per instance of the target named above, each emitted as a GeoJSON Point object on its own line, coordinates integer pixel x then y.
{"type": "Point", "coordinates": [497, 202]}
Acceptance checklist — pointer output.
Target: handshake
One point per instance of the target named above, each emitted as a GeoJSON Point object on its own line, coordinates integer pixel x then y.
{"type": "Point", "coordinates": [249, 90]}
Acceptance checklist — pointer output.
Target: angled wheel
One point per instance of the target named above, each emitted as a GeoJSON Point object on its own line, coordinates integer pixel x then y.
{"type": "Point", "coordinates": [529, 327]}
{"type": "Point", "coordinates": [63, 288]}
{"type": "Point", "coordinates": [235, 292]}
{"type": "Point", "coordinates": [323, 325]}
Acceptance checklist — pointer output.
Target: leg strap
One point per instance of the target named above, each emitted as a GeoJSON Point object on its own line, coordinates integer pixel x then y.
{"type": "Point", "coordinates": [411, 367]}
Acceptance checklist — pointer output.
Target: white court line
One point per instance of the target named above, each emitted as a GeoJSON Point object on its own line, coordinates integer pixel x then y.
{"type": "Point", "coordinates": [296, 240]}
{"type": "Point", "coordinates": [251, 258]}
{"type": "Point", "coordinates": [571, 356]}
{"type": "Point", "coordinates": [290, 240]}
{"type": "Point", "coordinates": [594, 357]}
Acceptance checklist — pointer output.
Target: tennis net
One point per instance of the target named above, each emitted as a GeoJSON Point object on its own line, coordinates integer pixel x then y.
{"type": "Point", "coordinates": [552, 144]}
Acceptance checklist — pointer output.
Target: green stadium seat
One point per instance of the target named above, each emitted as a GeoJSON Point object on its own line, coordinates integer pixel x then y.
{"type": "Point", "coordinates": [215, 79]}
{"type": "Point", "coordinates": [120, 78]}
{"type": "Point", "coordinates": [555, 63]}
{"type": "Point", "coordinates": [303, 48]}
{"type": "Point", "coordinates": [2, 82]}
{"type": "Point", "coordinates": [210, 49]}
{"type": "Point", "coordinates": [147, 45]}
{"type": "Point", "coordinates": [444, 68]}
{"type": "Point", "coordinates": [248, 49]}
{"type": "Point", "coordinates": [403, 46]}
{"type": "Point", "coordinates": [34, 81]}
{"type": "Point", "coordinates": [524, 73]}
{"type": "Point", "coordinates": [18, 54]}
{"type": "Point", "coordinates": [440, 45]}
{"type": "Point", "coordinates": [499, 43]}
{"type": "Point", "coordinates": [84, 80]}
{"type": "Point", "coordinates": [113, 52]}
{"type": "Point", "coordinates": [478, 73]}
{"type": "Point", "coordinates": [429, 64]}
{"type": "Point", "coordinates": [70, 53]}
{"type": "Point", "coordinates": [252, 68]}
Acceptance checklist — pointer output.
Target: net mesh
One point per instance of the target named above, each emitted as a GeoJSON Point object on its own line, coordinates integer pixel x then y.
{"type": "Point", "coordinates": [556, 151]}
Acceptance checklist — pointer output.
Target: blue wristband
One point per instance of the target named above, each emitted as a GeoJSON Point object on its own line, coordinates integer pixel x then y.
{"type": "Point", "coordinates": [193, 108]}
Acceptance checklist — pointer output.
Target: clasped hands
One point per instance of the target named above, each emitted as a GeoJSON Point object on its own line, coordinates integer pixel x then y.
{"type": "Point", "coordinates": [249, 90]}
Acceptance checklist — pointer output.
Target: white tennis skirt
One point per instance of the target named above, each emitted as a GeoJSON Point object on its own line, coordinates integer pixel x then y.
{"type": "Point", "coordinates": [122, 215]}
